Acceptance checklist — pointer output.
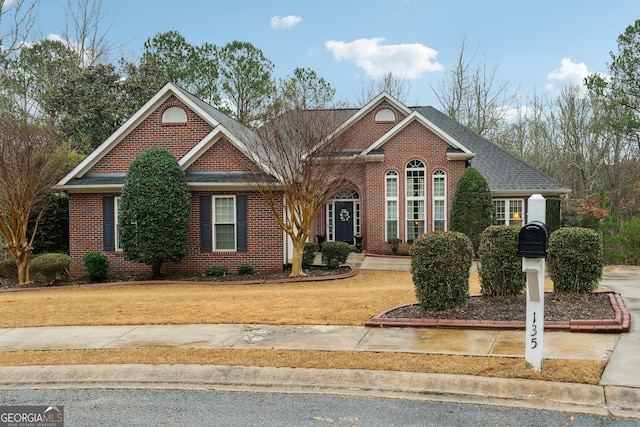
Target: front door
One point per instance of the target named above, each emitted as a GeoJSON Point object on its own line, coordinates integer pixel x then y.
{"type": "Point", "coordinates": [343, 221]}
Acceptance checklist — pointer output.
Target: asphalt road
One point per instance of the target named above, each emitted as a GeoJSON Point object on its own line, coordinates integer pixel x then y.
{"type": "Point", "coordinates": [211, 408]}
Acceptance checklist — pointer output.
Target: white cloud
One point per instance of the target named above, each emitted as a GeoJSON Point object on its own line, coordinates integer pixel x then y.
{"type": "Point", "coordinates": [408, 61]}
{"type": "Point", "coordinates": [285, 22]}
{"type": "Point", "coordinates": [569, 73]}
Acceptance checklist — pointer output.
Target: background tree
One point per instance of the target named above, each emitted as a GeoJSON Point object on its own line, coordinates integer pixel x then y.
{"type": "Point", "coordinates": [299, 150]}
{"type": "Point", "coordinates": [246, 81]}
{"type": "Point", "coordinates": [31, 162]}
{"type": "Point", "coordinates": [398, 87]}
{"type": "Point", "coordinates": [474, 96]}
{"type": "Point", "coordinates": [305, 90]}
{"type": "Point", "coordinates": [154, 210]}
{"type": "Point", "coordinates": [472, 209]}
{"type": "Point", "coordinates": [16, 20]}
{"type": "Point", "coordinates": [85, 33]}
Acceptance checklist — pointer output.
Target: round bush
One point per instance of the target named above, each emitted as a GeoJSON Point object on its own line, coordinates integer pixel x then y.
{"type": "Point", "coordinates": [335, 254]}
{"type": "Point", "coordinates": [50, 266]}
{"type": "Point", "coordinates": [309, 254]}
{"type": "Point", "coordinates": [96, 265]}
{"type": "Point", "coordinates": [500, 267]}
{"type": "Point", "coordinates": [216, 271]}
{"type": "Point", "coordinates": [575, 260]}
{"type": "Point", "coordinates": [440, 264]}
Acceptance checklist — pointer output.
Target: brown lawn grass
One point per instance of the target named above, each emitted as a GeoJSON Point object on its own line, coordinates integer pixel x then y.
{"type": "Point", "coordinates": [337, 302]}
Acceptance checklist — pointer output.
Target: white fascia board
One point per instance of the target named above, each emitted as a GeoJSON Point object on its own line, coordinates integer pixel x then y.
{"type": "Point", "coordinates": [140, 115]}
{"type": "Point", "coordinates": [528, 193]}
{"type": "Point", "coordinates": [105, 188]}
{"type": "Point", "coordinates": [415, 116]}
{"type": "Point", "coordinates": [384, 96]}
{"type": "Point", "coordinates": [200, 148]}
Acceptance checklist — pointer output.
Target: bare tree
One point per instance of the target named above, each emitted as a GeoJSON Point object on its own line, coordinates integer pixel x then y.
{"type": "Point", "coordinates": [398, 87]}
{"type": "Point", "coordinates": [304, 164]}
{"type": "Point", "coordinates": [474, 96]}
{"type": "Point", "coordinates": [85, 32]}
{"type": "Point", "coordinates": [16, 20]}
{"type": "Point", "coordinates": [31, 162]}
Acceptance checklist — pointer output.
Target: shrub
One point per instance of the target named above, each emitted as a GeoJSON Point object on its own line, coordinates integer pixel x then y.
{"type": "Point", "coordinates": [335, 254]}
{"type": "Point", "coordinates": [440, 264]}
{"type": "Point", "coordinates": [621, 240]}
{"type": "Point", "coordinates": [500, 267]}
{"type": "Point", "coordinates": [574, 260]}
{"type": "Point", "coordinates": [216, 271]}
{"type": "Point", "coordinates": [96, 265]}
{"type": "Point", "coordinates": [472, 207]}
{"type": "Point", "coordinates": [8, 269]}
{"type": "Point", "coordinates": [309, 254]}
{"type": "Point", "coordinates": [50, 266]}
{"type": "Point", "coordinates": [244, 270]}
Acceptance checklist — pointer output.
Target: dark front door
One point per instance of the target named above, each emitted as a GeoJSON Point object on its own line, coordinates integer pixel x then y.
{"type": "Point", "coordinates": [344, 222]}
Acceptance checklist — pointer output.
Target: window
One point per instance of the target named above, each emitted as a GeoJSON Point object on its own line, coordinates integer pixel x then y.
{"type": "Point", "coordinates": [509, 211]}
{"type": "Point", "coordinates": [416, 195]}
{"type": "Point", "coordinates": [116, 217]}
{"type": "Point", "coordinates": [391, 196]}
{"type": "Point", "coordinates": [174, 115]}
{"type": "Point", "coordinates": [385, 115]}
{"type": "Point", "coordinates": [439, 201]}
{"type": "Point", "coordinates": [224, 223]}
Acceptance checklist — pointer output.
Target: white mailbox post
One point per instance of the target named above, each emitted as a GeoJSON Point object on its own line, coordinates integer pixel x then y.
{"type": "Point", "coordinates": [534, 267]}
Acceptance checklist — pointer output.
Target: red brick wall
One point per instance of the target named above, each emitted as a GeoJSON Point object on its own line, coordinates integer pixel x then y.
{"type": "Point", "coordinates": [265, 252]}
{"type": "Point", "coordinates": [413, 142]}
{"type": "Point", "coordinates": [178, 138]}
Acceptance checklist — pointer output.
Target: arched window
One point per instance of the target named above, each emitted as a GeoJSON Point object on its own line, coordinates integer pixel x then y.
{"type": "Point", "coordinates": [416, 198]}
{"type": "Point", "coordinates": [385, 115]}
{"type": "Point", "coordinates": [174, 115]}
{"type": "Point", "coordinates": [391, 212]}
{"type": "Point", "coordinates": [439, 201]}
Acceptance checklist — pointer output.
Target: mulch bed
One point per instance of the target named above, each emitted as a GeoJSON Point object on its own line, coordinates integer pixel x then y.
{"type": "Point", "coordinates": [557, 307]}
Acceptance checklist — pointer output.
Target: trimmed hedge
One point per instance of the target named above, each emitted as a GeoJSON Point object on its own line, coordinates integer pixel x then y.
{"type": "Point", "coordinates": [50, 266]}
{"type": "Point", "coordinates": [244, 270]}
{"type": "Point", "coordinates": [440, 264]}
{"type": "Point", "coordinates": [500, 267]}
{"type": "Point", "coordinates": [216, 271]}
{"type": "Point", "coordinates": [309, 254]}
{"type": "Point", "coordinates": [96, 265]}
{"type": "Point", "coordinates": [575, 260]}
{"type": "Point", "coordinates": [8, 269]}
{"type": "Point", "coordinates": [334, 254]}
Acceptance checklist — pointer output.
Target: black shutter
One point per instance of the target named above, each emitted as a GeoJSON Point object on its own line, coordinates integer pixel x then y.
{"type": "Point", "coordinates": [241, 223]}
{"type": "Point", "coordinates": [108, 226]}
{"type": "Point", "coordinates": [206, 243]}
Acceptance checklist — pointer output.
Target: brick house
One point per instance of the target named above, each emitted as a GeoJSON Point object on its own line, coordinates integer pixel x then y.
{"type": "Point", "coordinates": [414, 158]}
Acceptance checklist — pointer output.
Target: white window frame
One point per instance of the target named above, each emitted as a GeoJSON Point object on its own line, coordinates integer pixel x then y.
{"type": "Point", "coordinates": [415, 169]}
{"type": "Point", "coordinates": [511, 206]}
{"type": "Point", "coordinates": [391, 176]}
{"type": "Point", "coordinates": [214, 224]}
{"type": "Point", "coordinates": [439, 174]}
{"type": "Point", "coordinates": [116, 220]}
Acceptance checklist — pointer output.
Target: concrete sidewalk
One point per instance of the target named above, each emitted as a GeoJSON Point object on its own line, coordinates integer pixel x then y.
{"type": "Point", "coordinates": [618, 393]}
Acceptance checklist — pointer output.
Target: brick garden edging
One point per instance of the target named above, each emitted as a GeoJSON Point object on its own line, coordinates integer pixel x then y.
{"type": "Point", "coordinates": [349, 273]}
{"type": "Point", "coordinates": [621, 322]}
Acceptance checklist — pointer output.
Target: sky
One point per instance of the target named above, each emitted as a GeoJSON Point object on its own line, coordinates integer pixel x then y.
{"type": "Point", "coordinates": [535, 45]}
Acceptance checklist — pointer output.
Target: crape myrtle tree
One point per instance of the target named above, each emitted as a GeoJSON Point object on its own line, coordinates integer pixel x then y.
{"type": "Point", "coordinates": [472, 208]}
{"type": "Point", "coordinates": [32, 160]}
{"type": "Point", "coordinates": [154, 210]}
{"type": "Point", "coordinates": [300, 150]}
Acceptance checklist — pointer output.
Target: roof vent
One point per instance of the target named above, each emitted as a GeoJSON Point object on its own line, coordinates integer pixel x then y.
{"type": "Point", "coordinates": [385, 115]}
{"type": "Point", "coordinates": [174, 115]}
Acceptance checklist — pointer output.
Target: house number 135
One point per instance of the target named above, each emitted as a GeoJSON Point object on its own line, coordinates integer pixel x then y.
{"type": "Point", "coordinates": [534, 332]}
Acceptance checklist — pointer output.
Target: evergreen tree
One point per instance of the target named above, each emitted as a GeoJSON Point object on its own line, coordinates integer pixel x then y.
{"type": "Point", "coordinates": [472, 209]}
{"type": "Point", "coordinates": [154, 210]}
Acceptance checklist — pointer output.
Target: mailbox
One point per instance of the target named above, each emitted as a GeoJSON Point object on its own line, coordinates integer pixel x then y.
{"type": "Point", "coordinates": [532, 240]}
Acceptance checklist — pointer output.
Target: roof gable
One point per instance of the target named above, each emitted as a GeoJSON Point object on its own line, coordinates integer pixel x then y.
{"type": "Point", "coordinates": [223, 126]}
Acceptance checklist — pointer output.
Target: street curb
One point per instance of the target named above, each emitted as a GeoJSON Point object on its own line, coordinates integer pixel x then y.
{"type": "Point", "coordinates": [578, 398]}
